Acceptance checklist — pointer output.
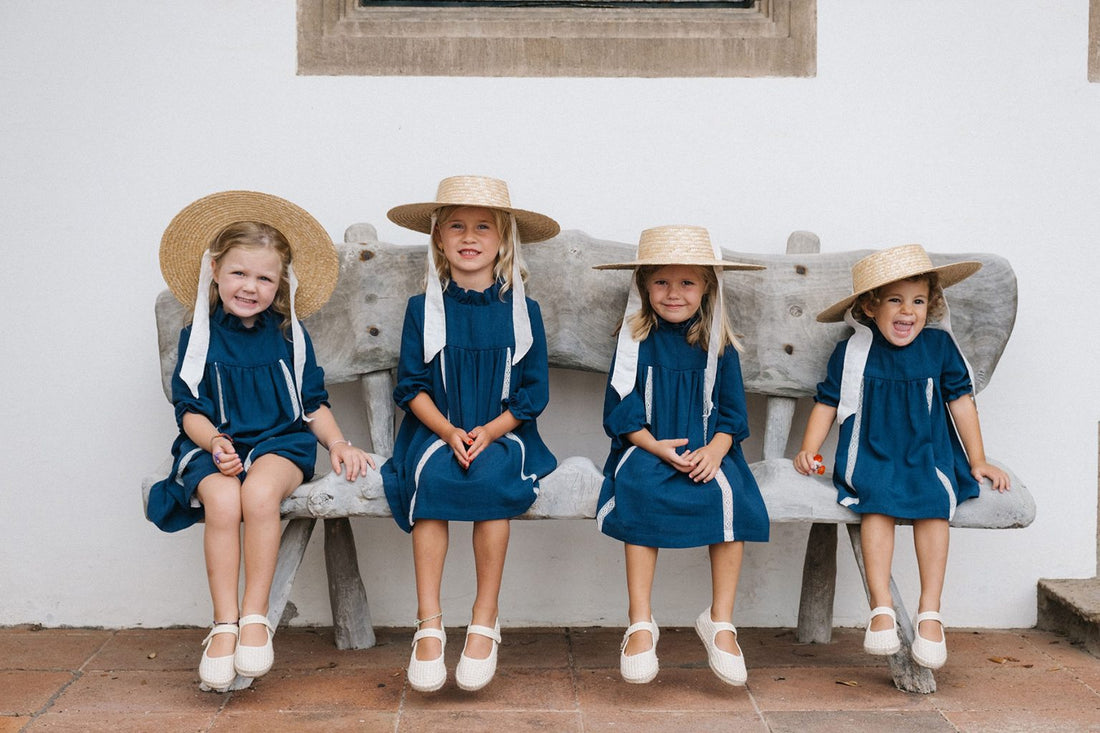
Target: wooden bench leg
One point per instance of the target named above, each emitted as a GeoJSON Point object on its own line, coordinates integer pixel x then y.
{"type": "Point", "coordinates": [815, 608]}
{"type": "Point", "coordinates": [350, 613]}
{"type": "Point", "coordinates": [908, 675]}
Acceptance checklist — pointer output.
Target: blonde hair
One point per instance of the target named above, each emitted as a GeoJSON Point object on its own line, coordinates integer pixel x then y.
{"type": "Point", "coordinates": [254, 235]}
{"type": "Point", "coordinates": [502, 269]}
{"type": "Point", "coordinates": [644, 321]}
{"type": "Point", "coordinates": [873, 298]}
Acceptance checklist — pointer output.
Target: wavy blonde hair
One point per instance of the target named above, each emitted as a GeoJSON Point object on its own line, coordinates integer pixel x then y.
{"type": "Point", "coordinates": [502, 269]}
{"type": "Point", "coordinates": [254, 235]}
{"type": "Point", "coordinates": [644, 321]}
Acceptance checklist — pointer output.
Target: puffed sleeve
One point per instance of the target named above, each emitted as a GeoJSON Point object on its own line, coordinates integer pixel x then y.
{"type": "Point", "coordinates": [413, 375]}
{"type": "Point", "coordinates": [622, 415]}
{"type": "Point", "coordinates": [828, 391]}
{"type": "Point", "coordinates": [730, 397]}
{"type": "Point", "coordinates": [313, 380]}
{"type": "Point", "coordinates": [529, 398]}
{"type": "Point", "coordinates": [182, 398]}
{"type": "Point", "coordinates": [954, 380]}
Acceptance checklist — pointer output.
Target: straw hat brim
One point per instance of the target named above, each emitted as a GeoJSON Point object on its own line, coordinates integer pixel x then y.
{"type": "Point", "coordinates": [948, 275]}
{"type": "Point", "coordinates": [533, 227]}
{"type": "Point", "coordinates": [191, 232]}
{"type": "Point", "coordinates": [662, 261]}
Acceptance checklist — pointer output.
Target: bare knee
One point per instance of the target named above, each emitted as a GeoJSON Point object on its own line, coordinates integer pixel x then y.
{"type": "Point", "coordinates": [221, 501]}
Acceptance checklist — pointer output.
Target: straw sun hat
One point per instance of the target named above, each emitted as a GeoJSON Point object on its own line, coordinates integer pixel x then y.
{"type": "Point", "coordinates": [489, 193]}
{"type": "Point", "coordinates": [677, 245]}
{"type": "Point", "coordinates": [891, 265]}
{"type": "Point", "coordinates": [192, 231]}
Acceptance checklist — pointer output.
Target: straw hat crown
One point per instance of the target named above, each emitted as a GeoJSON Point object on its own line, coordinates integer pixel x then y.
{"type": "Point", "coordinates": [893, 264]}
{"type": "Point", "coordinates": [482, 191]}
{"type": "Point", "coordinates": [191, 232]}
{"type": "Point", "coordinates": [677, 245]}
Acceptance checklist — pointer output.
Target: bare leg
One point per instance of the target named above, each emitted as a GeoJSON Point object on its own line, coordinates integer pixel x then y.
{"type": "Point", "coordinates": [931, 539]}
{"type": "Point", "coordinates": [221, 499]}
{"type": "Point", "coordinates": [641, 566]}
{"type": "Point", "coordinates": [430, 540]}
{"type": "Point", "coordinates": [270, 479]}
{"type": "Point", "coordinates": [877, 538]}
{"type": "Point", "coordinates": [725, 572]}
{"type": "Point", "coordinates": [490, 540]}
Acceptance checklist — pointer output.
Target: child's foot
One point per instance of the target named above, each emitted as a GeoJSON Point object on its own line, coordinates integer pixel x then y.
{"type": "Point", "coordinates": [723, 654]}
{"type": "Point", "coordinates": [881, 638]}
{"type": "Point", "coordinates": [427, 670]}
{"type": "Point", "coordinates": [474, 672]}
{"type": "Point", "coordinates": [929, 645]}
{"type": "Point", "coordinates": [216, 668]}
{"type": "Point", "coordinates": [255, 660]}
{"type": "Point", "coordinates": [640, 666]}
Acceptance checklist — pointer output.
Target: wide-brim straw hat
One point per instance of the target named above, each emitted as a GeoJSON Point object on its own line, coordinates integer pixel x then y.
{"type": "Point", "coordinates": [481, 191]}
{"type": "Point", "coordinates": [677, 245]}
{"type": "Point", "coordinates": [893, 264]}
{"type": "Point", "coordinates": [191, 232]}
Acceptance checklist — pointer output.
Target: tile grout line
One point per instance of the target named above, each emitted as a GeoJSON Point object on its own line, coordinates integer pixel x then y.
{"type": "Point", "coordinates": [573, 677]}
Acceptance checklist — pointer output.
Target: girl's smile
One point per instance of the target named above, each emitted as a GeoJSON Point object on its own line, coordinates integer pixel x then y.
{"type": "Point", "coordinates": [902, 311]}
{"type": "Point", "coordinates": [470, 241]}
{"type": "Point", "coordinates": [248, 280]}
{"type": "Point", "coordinates": [676, 292]}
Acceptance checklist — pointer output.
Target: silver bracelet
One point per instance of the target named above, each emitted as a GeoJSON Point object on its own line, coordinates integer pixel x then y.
{"type": "Point", "coordinates": [341, 440]}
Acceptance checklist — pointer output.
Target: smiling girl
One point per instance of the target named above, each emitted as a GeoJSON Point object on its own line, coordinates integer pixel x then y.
{"type": "Point", "coordinates": [472, 378]}
{"type": "Point", "coordinates": [675, 412]}
{"type": "Point", "coordinates": [910, 446]}
{"type": "Point", "coordinates": [250, 401]}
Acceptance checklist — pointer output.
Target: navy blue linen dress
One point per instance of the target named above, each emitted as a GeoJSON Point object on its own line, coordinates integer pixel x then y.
{"type": "Point", "coordinates": [899, 454]}
{"type": "Point", "coordinates": [247, 391]}
{"type": "Point", "coordinates": [646, 501]}
{"type": "Point", "coordinates": [472, 381]}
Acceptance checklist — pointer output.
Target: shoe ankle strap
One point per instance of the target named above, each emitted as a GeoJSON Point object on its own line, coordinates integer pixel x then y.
{"type": "Point", "coordinates": [430, 633]}
{"type": "Point", "coordinates": [493, 633]}
{"type": "Point", "coordinates": [221, 629]}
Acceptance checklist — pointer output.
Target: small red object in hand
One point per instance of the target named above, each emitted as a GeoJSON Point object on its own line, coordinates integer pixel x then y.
{"type": "Point", "coordinates": [818, 467]}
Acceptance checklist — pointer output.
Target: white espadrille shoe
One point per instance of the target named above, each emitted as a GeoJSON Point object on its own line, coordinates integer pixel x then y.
{"type": "Point", "coordinates": [255, 661]}
{"type": "Point", "coordinates": [473, 674]}
{"type": "Point", "coordinates": [884, 642]}
{"type": "Point", "coordinates": [428, 675]}
{"type": "Point", "coordinates": [925, 652]}
{"type": "Point", "coordinates": [218, 673]}
{"type": "Point", "coordinates": [728, 667]}
{"type": "Point", "coordinates": [640, 668]}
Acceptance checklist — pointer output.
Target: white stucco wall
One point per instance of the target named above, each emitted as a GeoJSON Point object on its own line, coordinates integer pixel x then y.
{"type": "Point", "coordinates": [964, 126]}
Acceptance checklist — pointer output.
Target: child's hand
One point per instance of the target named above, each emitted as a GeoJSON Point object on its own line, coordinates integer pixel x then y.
{"type": "Point", "coordinates": [705, 461]}
{"type": "Point", "coordinates": [996, 475]}
{"type": "Point", "coordinates": [666, 451]}
{"type": "Point", "coordinates": [226, 458]}
{"type": "Point", "coordinates": [459, 439]}
{"type": "Point", "coordinates": [354, 459]}
{"type": "Point", "coordinates": [807, 462]}
{"type": "Point", "coordinates": [476, 441]}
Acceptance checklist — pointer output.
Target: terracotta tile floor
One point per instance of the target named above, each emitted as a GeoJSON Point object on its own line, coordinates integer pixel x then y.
{"type": "Point", "coordinates": [548, 680]}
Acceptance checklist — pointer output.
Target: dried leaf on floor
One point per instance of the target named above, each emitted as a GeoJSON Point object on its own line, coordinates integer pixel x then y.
{"type": "Point", "coordinates": [848, 683]}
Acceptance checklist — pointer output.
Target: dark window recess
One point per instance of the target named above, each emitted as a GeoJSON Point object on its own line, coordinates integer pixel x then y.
{"type": "Point", "coordinates": [617, 4]}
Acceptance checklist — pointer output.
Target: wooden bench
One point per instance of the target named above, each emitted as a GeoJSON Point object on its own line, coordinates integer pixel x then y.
{"type": "Point", "coordinates": [357, 337]}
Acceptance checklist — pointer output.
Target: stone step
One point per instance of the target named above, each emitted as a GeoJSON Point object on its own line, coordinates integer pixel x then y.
{"type": "Point", "coordinates": [1071, 607]}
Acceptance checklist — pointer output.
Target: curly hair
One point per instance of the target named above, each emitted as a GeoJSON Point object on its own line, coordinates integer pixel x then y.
{"type": "Point", "coordinates": [254, 235]}
{"type": "Point", "coordinates": [872, 298]}
{"type": "Point", "coordinates": [644, 321]}
{"type": "Point", "coordinates": [502, 269]}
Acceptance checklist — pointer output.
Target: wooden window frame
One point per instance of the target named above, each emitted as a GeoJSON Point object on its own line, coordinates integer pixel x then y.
{"type": "Point", "coordinates": [775, 38]}
{"type": "Point", "coordinates": [1094, 40]}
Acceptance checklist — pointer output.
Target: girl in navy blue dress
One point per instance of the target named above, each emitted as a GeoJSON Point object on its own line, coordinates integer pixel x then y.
{"type": "Point", "coordinates": [910, 445]}
{"type": "Point", "coordinates": [472, 379]}
{"type": "Point", "coordinates": [675, 411]}
{"type": "Point", "coordinates": [250, 402]}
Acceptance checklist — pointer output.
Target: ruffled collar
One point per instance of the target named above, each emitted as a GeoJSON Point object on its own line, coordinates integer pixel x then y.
{"type": "Point", "coordinates": [474, 297]}
{"type": "Point", "coordinates": [231, 322]}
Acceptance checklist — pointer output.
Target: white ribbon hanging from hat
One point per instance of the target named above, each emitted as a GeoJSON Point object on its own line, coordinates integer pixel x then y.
{"type": "Point", "coordinates": [855, 360]}
{"type": "Point", "coordinates": [194, 358]}
{"type": "Point", "coordinates": [435, 317]}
